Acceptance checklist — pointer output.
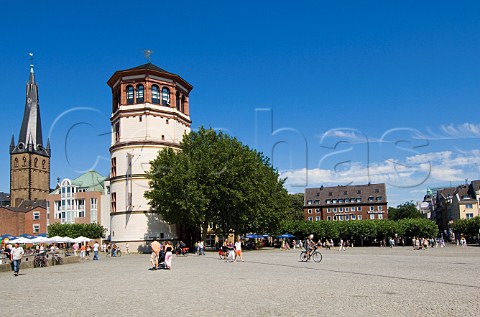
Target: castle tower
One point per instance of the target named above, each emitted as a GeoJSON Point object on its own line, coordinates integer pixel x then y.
{"type": "Point", "coordinates": [150, 111]}
{"type": "Point", "coordinates": [29, 159]}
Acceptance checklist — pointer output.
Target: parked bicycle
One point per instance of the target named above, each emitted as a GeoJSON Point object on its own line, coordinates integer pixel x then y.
{"type": "Point", "coordinates": [56, 259]}
{"type": "Point", "coordinates": [315, 254]}
{"type": "Point", "coordinates": [40, 260]}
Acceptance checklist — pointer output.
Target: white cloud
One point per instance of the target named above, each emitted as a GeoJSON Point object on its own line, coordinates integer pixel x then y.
{"type": "Point", "coordinates": [413, 177]}
{"type": "Point", "coordinates": [463, 131]}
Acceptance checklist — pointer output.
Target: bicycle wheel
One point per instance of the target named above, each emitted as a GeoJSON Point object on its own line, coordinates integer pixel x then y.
{"type": "Point", "coordinates": [317, 257]}
{"type": "Point", "coordinates": [303, 256]}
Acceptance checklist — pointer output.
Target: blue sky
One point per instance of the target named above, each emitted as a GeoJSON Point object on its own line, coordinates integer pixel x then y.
{"type": "Point", "coordinates": [335, 92]}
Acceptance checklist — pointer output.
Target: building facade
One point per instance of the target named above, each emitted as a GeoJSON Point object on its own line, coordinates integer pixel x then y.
{"type": "Point", "coordinates": [29, 217]}
{"type": "Point", "coordinates": [80, 200]}
{"type": "Point", "coordinates": [346, 203]}
{"type": "Point", "coordinates": [453, 203]}
{"type": "Point", "coordinates": [29, 159]}
{"type": "Point", "coordinates": [150, 112]}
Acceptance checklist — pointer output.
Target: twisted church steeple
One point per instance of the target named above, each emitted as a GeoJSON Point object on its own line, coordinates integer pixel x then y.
{"type": "Point", "coordinates": [30, 138]}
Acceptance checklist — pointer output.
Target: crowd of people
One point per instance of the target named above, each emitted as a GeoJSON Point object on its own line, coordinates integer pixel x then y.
{"type": "Point", "coordinates": [230, 251]}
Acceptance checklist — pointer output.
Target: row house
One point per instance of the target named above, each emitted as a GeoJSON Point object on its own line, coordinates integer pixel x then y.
{"type": "Point", "coordinates": [453, 203]}
{"type": "Point", "coordinates": [29, 217]}
{"type": "Point", "coordinates": [345, 203]}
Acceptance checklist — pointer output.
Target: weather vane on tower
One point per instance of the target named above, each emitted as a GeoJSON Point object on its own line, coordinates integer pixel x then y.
{"type": "Point", "coordinates": [147, 54]}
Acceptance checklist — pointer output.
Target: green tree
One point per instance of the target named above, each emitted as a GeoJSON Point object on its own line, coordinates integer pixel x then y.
{"type": "Point", "coordinates": [404, 211]}
{"type": "Point", "coordinates": [296, 206]}
{"type": "Point", "coordinates": [469, 227]}
{"type": "Point", "coordinates": [74, 230]}
{"type": "Point", "coordinates": [214, 179]}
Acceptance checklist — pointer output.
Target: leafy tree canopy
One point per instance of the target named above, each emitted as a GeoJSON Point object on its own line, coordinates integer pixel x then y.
{"type": "Point", "coordinates": [404, 211]}
{"type": "Point", "coordinates": [215, 179]}
{"type": "Point", "coordinates": [362, 230]}
{"type": "Point", "coordinates": [296, 206]}
{"type": "Point", "coordinates": [74, 230]}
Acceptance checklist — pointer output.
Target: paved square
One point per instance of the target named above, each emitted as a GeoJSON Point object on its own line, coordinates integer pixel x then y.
{"type": "Point", "coordinates": [357, 282]}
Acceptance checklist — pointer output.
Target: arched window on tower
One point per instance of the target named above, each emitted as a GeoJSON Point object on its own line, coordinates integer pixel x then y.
{"type": "Point", "coordinates": [165, 96]}
{"type": "Point", "coordinates": [130, 95]}
{"type": "Point", "coordinates": [140, 93]}
{"type": "Point", "coordinates": [182, 106]}
{"type": "Point", "coordinates": [155, 95]}
{"type": "Point", "coordinates": [43, 164]}
{"type": "Point", "coordinates": [35, 162]}
{"type": "Point", "coordinates": [24, 161]}
{"type": "Point", "coordinates": [177, 100]}
{"type": "Point", "coordinates": [15, 162]}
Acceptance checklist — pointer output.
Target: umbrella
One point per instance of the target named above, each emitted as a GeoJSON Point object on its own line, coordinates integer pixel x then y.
{"type": "Point", "coordinates": [42, 235]}
{"type": "Point", "coordinates": [286, 236]}
{"type": "Point", "coordinates": [7, 236]}
{"type": "Point", "coordinates": [40, 240]}
{"type": "Point", "coordinates": [81, 239]}
{"type": "Point", "coordinates": [21, 240]}
{"type": "Point", "coordinates": [26, 235]}
{"type": "Point", "coordinates": [59, 239]}
{"type": "Point", "coordinates": [253, 236]}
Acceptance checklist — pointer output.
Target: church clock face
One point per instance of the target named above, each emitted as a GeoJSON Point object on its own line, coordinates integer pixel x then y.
{"type": "Point", "coordinates": [29, 100]}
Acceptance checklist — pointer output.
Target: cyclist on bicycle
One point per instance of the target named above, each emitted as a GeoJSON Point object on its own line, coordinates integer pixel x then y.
{"type": "Point", "coordinates": [309, 244]}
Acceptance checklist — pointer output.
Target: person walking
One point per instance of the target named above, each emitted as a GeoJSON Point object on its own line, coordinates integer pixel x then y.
{"type": "Point", "coordinates": [75, 248]}
{"type": "Point", "coordinates": [342, 245]}
{"type": "Point", "coordinates": [82, 251]}
{"type": "Point", "coordinates": [16, 257]}
{"type": "Point", "coordinates": [95, 250]}
{"type": "Point", "coordinates": [238, 250]}
{"type": "Point", "coordinates": [155, 245]}
{"type": "Point", "coordinates": [126, 248]}
{"type": "Point", "coordinates": [168, 255]}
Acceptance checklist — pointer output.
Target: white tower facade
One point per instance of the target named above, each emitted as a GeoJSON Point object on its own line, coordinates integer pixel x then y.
{"type": "Point", "coordinates": [150, 111]}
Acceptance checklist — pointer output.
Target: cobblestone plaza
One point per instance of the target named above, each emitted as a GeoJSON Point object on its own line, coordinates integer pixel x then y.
{"type": "Point", "coordinates": [357, 282]}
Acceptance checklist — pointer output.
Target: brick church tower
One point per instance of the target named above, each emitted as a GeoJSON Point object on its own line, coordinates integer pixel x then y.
{"type": "Point", "coordinates": [29, 159]}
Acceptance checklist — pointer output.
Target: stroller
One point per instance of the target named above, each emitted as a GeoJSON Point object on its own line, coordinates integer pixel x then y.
{"type": "Point", "coordinates": [222, 253]}
{"type": "Point", "coordinates": [161, 260]}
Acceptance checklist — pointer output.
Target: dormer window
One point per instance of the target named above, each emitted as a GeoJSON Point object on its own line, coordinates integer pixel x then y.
{"type": "Point", "coordinates": [140, 94]}
{"type": "Point", "coordinates": [370, 198]}
{"type": "Point", "coordinates": [165, 96]}
{"type": "Point", "coordinates": [155, 95]}
{"type": "Point", "coordinates": [130, 95]}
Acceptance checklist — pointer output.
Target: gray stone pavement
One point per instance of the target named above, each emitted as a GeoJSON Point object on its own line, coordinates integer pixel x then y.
{"type": "Point", "coordinates": [358, 282]}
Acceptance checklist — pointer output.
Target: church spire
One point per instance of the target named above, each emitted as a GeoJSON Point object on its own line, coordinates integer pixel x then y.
{"type": "Point", "coordinates": [30, 138]}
